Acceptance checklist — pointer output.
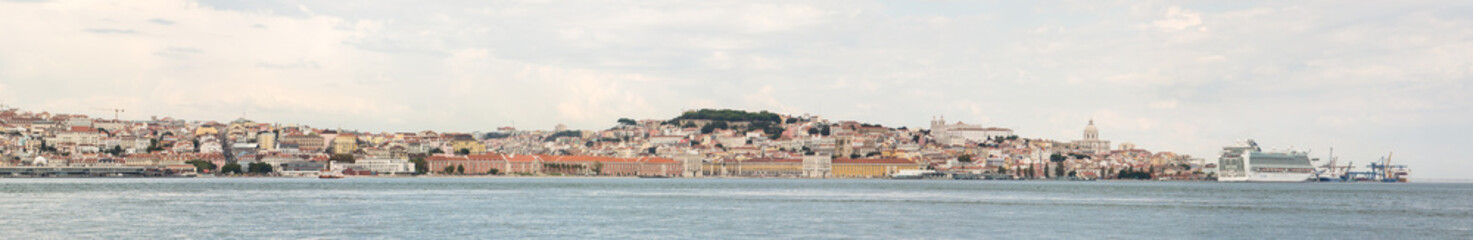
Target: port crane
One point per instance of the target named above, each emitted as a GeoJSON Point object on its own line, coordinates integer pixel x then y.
{"type": "Point", "coordinates": [1332, 171]}
{"type": "Point", "coordinates": [1382, 171]}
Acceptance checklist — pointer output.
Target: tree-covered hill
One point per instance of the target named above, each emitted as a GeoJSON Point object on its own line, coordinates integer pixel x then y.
{"type": "Point", "coordinates": [729, 115]}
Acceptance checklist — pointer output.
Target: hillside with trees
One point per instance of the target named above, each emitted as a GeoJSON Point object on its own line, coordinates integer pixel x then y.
{"type": "Point", "coordinates": [729, 116]}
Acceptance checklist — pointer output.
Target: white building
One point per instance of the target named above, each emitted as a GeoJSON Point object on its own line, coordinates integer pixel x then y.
{"type": "Point", "coordinates": [384, 166]}
{"type": "Point", "coordinates": [79, 135]}
{"type": "Point", "coordinates": [818, 166]}
{"type": "Point", "coordinates": [961, 133]}
{"type": "Point", "coordinates": [1092, 142]}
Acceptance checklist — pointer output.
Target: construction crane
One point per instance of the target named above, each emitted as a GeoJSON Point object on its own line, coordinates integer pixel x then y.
{"type": "Point", "coordinates": [116, 111]}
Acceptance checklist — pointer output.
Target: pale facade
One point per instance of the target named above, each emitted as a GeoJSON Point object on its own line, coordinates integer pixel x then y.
{"type": "Point", "coordinates": [961, 133]}
{"type": "Point", "coordinates": [1092, 142]}
{"type": "Point", "coordinates": [818, 166]}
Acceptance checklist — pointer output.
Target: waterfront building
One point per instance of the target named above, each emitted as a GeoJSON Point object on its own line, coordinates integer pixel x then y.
{"type": "Point", "coordinates": [818, 166]}
{"type": "Point", "coordinates": [770, 167]}
{"type": "Point", "coordinates": [301, 168]}
{"type": "Point", "coordinates": [473, 164]}
{"type": "Point", "coordinates": [871, 168]}
{"type": "Point", "coordinates": [383, 166]}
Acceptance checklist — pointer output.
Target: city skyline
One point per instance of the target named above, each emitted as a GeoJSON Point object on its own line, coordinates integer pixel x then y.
{"type": "Point", "coordinates": [1364, 78]}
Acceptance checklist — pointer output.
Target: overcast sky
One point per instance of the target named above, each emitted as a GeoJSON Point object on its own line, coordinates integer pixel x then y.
{"type": "Point", "coordinates": [1365, 77]}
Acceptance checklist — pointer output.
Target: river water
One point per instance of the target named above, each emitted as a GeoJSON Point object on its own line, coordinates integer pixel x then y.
{"type": "Point", "coordinates": [611, 208]}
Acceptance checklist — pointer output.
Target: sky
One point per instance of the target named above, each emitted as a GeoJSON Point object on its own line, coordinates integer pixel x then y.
{"type": "Point", "coordinates": [1364, 77]}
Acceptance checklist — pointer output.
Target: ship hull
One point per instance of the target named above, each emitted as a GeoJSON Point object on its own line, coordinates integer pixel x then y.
{"type": "Point", "coordinates": [1269, 177]}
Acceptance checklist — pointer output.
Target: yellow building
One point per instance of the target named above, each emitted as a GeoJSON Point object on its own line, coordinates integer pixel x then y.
{"type": "Point", "coordinates": [769, 167]}
{"type": "Point", "coordinates": [468, 143]}
{"type": "Point", "coordinates": [267, 140]}
{"type": "Point", "coordinates": [206, 130]}
{"type": "Point", "coordinates": [871, 168]}
{"type": "Point", "coordinates": [345, 144]}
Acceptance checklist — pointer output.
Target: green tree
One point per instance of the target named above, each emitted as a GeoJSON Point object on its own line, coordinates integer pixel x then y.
{"type": "Point", "coordinates": [494, 171]}
{"type": "Point", "coordinates": [343, 158]}
{"type": "Point", "coordinates": [436, 151]}
{"type": "Point", "coordinates": [627, 121]}
{"type": "Point", "coordinates": [202, 165]}
{"type": "Point", "coordinates": [598, 168]}
{"type": "Point", "coordinates": [460, 169]}
{"type": "Point", "coordinates": [1059, 170]}
{"type": "Point", "coordinates": [729, 115]}
{"type": "Point", "coordinates": [711, 127]}
{"type": "Point", "coordinates": [420, 166]}
{"type": "Point", "coordinates": [259, 168]}
{"type": "Point", "coordinates": [1001, 169]}
{"type": "Point", "coordinates": [449, 170]}
{"type": "Point", "coordinates": [1057, 157]}
{"type": "Point", "coordinates": [153, 145]}
{"type": "Point", "coordinates": [231, 168]}
{"type": "Point", "coordinates": [116, 151]}
{"type": "Point", "coordinates": [964, 158]}
{"type": "Point", "coordinates": [464, 151]}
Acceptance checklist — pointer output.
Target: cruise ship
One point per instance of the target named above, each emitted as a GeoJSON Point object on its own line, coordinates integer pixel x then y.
{"type": "Point", "coordinates": [1246, 162]}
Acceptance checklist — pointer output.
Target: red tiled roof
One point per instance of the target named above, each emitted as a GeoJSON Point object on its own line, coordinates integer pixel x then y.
{"type": "Point", "coordinates": [487, 157]}
{"type": "Point", "coordinates": [873, 161]}
{"type": "Point", "coordinates": [774, 160]}
{"type": "Point", "coordinates": [659, 160]}
{"type": "Point", "coordinates": [521, 158]}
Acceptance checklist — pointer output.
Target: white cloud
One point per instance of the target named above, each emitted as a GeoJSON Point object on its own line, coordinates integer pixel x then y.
{"type": "Point", "coordinates": [1176, 19]}
{"type": "Point", "coordinates": [766, 98]}
{"type": "Point", "coordinates": [1167, 105]}
{"type": "Point", "coordinates": [775, 17]}
{"type": "Point", "coordinates": [1152, 77]}
{"type": "Point", "coordinates": [5, 95]}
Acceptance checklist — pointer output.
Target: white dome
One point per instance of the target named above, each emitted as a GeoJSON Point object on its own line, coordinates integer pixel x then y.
{"type": "Point", "coordinates": [39, 161]}
{"type": "Point", "coordinates": [1090, 132]}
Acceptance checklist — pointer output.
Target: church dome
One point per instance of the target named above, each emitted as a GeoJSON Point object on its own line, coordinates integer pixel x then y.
{"type": "Point", "coordinates": [38, 161]}
{"type": "Point", "coordinates": [1090, 132]}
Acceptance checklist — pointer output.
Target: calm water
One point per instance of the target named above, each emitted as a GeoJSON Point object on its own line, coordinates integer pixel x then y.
{"type": "Point", "coordinates": [440, 208]}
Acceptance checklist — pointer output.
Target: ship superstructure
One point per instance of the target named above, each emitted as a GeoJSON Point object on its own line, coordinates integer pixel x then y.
{"type": "Point", "coordinates": [1247, 162]}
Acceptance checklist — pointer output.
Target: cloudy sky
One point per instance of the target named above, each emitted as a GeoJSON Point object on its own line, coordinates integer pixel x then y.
{"type": "Point", "coordinates": [1365, 77]}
